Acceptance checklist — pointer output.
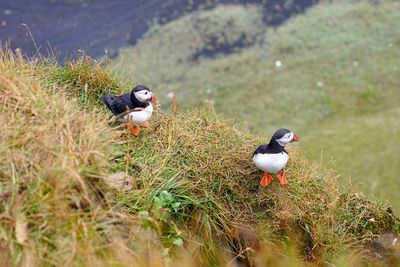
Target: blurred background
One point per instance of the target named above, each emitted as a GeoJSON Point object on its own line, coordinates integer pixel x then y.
{"type": "Point", "coordinates": [328, 70]}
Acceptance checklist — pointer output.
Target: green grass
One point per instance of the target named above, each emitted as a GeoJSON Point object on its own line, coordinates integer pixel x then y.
{"type": "Point", "coordinates": [337, 88]}
{"type": "Point", "coordinates": [86, 73]}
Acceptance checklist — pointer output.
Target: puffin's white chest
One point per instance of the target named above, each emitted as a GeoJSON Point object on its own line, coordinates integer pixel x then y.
{"type": "Point", "coordinates": [139, 116]}
{"type": "Point", "coordinates": [271, 163]}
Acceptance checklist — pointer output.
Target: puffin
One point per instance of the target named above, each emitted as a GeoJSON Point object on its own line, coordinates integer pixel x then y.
{"type": "Point", "coordinates": [135, 107]}
{"type": "Point", "coordinates": [271, 158]}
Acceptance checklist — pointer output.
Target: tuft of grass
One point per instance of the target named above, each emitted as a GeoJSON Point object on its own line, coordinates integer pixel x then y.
{"type": "Point", "coordinates": [86, 80]}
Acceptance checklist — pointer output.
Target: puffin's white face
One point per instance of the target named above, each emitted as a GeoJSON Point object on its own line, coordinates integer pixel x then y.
{"type": "Point", "coordinates": [143, 95]}
{"type": "Point", "coordinates": [287, 138]}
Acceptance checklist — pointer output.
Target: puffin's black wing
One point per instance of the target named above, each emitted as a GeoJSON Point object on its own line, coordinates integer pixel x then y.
{"type": "Point", "coordinates": [261, 149]}
{"type": "Point", "coordinates": [108, 102]}
{"type": "Point", "coordinates": [117, 104]}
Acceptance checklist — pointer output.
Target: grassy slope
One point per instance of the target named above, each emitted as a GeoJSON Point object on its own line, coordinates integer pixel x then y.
{"type": "Point", "coordinates": [52, 156]}
{"type": "Point", "coordinates": [195, 199]}
{"type": "Point", "coordinates": [340, 69]}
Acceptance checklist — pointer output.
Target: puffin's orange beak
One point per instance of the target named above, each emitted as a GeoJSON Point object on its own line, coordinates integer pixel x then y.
{"type": "Point", "coordinates": [154, 99]}
{"type": "Point", "coordinates": [295, 138]}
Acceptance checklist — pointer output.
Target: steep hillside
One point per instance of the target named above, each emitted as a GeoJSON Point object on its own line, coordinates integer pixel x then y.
{"type": "Point", "coordinates": [194, 199]}
{"type": "Point", "coordinates": [331, 74]}
{"type": "Point", "coordinates": [53, 210]}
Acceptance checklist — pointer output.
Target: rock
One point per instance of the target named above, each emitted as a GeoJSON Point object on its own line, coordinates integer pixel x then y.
{"type": "Point", "coordinates": [21, 231]}
{"type": "Point", "coordinates": [120, 181]}
{"type": "Point", "coordinates": [385, 246]}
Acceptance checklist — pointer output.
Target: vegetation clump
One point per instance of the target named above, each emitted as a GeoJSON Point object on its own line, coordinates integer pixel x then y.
{"type": "Point", "coordinates": [205, 166]}
{"type": "Point", "coordinates": [195, 198]}
{"type": "Point", "coordinates": [85, 80]}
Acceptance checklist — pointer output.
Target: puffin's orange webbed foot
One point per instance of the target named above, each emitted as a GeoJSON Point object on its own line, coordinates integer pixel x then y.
{"type": "Point", "coordinates": [134, 129]}
{"type": "Point", "coordinates": [266, 179]}
{"type": "Point", "coordinates": [282, 177]}
{"type": "Point", "coordinates": [145, 124]}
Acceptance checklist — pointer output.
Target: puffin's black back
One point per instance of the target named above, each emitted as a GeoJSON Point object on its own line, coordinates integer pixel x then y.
{"type": "Point", "coordinates": [273, 147]}
{"type": "Point", "coordinates": [119, 104]}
